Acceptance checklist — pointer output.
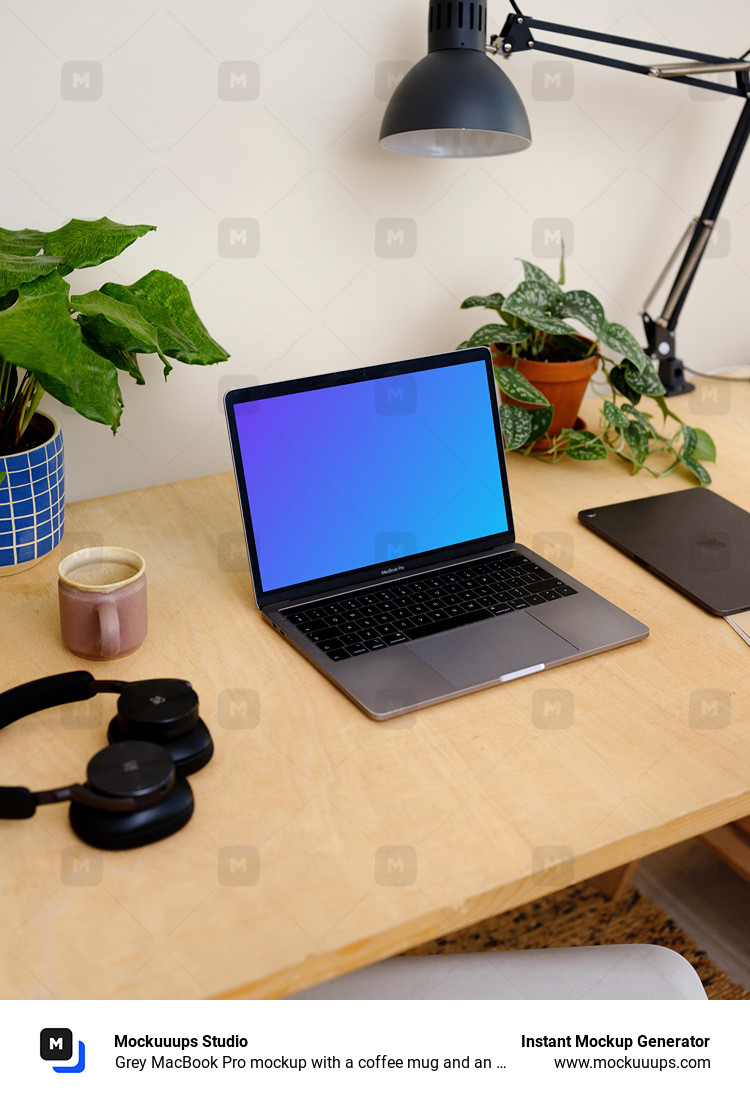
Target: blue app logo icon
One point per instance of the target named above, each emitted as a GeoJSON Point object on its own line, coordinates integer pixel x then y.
{"type": "Point", "coordinates": [56, 1045]}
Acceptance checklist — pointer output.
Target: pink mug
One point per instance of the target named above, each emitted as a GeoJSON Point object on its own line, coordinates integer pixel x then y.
{"type": "Point", "coordinates": [102, 592]}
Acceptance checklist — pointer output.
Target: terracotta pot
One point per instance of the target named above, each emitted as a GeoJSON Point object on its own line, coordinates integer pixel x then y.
{"type": "Point", "coordinates": [32, 499]}
{"type": "Point", "coordinates": [563, 384]}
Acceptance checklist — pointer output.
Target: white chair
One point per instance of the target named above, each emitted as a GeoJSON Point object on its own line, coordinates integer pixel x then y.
{"type": "Point", "coordinates": [621, 972]}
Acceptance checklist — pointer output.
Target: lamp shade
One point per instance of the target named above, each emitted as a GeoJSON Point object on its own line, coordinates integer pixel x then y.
{"type": "Point", "coordinates": [455, 102]}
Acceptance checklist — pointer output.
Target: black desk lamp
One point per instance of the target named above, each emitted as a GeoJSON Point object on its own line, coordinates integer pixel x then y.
{"type": "Point", "coordinates": [456, 103]}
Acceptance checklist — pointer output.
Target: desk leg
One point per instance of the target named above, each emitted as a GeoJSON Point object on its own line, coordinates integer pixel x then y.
{"type": "Point", "coordinates": [615, 882]}
{"type": "Point", "coordinates": [732, 844]}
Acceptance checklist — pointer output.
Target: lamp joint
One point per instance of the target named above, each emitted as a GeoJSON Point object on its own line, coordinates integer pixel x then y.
{"type": "Point", "coordinates": [516, 35]}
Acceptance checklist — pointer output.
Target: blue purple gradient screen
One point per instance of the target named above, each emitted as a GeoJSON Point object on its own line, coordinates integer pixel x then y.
{"type": "Point", "coordinates": [353, 475]}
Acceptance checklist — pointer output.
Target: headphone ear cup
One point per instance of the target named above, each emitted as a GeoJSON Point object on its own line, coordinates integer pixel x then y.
{"type": "Point", "coordinates": [157, 710]}
{"type": "Point", "coordinates": [118, 831]}
{"type": "Point", "coordinates": [190, 752]}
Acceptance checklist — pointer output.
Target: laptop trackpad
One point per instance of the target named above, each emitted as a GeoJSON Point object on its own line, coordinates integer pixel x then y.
{"type": "Point", "coordinates": [485, 651]}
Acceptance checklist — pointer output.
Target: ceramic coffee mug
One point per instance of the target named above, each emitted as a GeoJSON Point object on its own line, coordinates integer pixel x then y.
{"type": "Point", "coordinates": [102, 592]}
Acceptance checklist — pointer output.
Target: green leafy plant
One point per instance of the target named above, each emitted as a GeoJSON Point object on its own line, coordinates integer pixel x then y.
{"type": "Point", "coordinates": [75, 346]}
{"type": "Point", "coordinates": [535, 326]}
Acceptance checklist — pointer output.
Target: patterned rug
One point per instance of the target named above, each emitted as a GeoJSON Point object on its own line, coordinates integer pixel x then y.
{"type": "Point", "coordinates": [582, 916]}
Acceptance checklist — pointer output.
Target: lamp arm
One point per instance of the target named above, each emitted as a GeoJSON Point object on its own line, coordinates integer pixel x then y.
{"type": "Point", "coordinates": [644, 70]}
{"type": "Point", "coordinates": [517, 35]}
{"type": "Point", "coordinates": [660, 331]}
{"type": "Point", "coordinates": [678, 251]}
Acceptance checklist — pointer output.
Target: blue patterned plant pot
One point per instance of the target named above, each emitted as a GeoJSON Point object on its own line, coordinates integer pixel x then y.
{"type": "Point", "coordinates": [32, 502]}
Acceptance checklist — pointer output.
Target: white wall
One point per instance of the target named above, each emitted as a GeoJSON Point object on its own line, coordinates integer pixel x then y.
{"type": "Point", "coordinates": [625, 160]}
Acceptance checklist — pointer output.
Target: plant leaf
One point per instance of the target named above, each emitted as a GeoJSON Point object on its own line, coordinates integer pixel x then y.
{"type": "Point", "coordinates": [17, 270]}
{"type": "Point", "coordinates": [122, 359]}
{"type": "Point", "coordinates": [541, 419]}
{"type": "Point", "coordinates": [498, 334]}
{"type": "Point", "coordinates": [689, 441]}
{"type": "Point", "coordinates": [117, 325]}
{"type": "Point", "coordinates": [705, 448]}
{"type": "Point", "coordinates": [615, 415]}
{"type": "Point", "coordinates": [637, 439]}
{"type": "Point", "coordinates": [86, 244]}
{"type": "Point", "coordinates": [516, 425]}
{"type": "Point", "coordinates": [21, 259]}
{"type": "Point", "coordinates": [164, 302]}
{"type": "Point", "coordinates": [695, 468]}
{"type": "Point", "coordinates": [51, 284]}
{"type": "Point", "coordinates": [534, 276]}
{"type": "Point", "coordinates": [21, 242]}
{"type": "Point", "coordinates": [620, 383]}
{"type": "Point", "coordinates": [38, 333]}
{"type": "Point", "coordinates": [583, 445]}
{"type": "Point", "coordinates": [645, 381]}
{"type": "Point", "coordinates": [512, 383]}
{"type": "Point", "coordinates": [585, 307]}
{"type": "Point", "coordinates": [121, 314]}
{"type": "Point", "coordinates": [537, 307]}
{"type": "Point", "coordinates": [577, 345]}
{"type": "Point", "coordinates": [489, 301]}
{"type": "Point", "coordinates": [98, 397]}
{"type": "Point", "coordinates": [619, 339]}
{"type": "Point", "coordinates": [642, 418]}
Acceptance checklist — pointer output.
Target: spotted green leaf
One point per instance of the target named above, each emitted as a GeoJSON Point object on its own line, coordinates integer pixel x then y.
{"type": "Point", "coordinates": [541, 418]}
{"type": "Point", "coordinates": [512, 383]}
{"type": "Point", "coordinates": [620, 340]}
{"type": "Point", "coordinates": [498, 334]}
{"type": "Point", "coordinates": [583, 445]}
{"type": "Point", "coordinates": [516, 425]}
{"type": "Point", "coordinates": [697, 469]}
{"type": "Point", "coordinates": [619, 381]}
{"type": "Point", "coordinates": [637, 439]}
{"type": "Point", "coordinates": [488, 301]}
{"type": "Point", "coordinates": [534, 276]}
{"type": "Point", "coordinates": [534, 305]}
{"type": "Point", "coordinates": [586, 308]}
{"type": "Point", "coordinates": [689, 440]}
{"type": "Point", "coordinates": [615, 415]}
{"type": "Point", "coordinates": [705, 448]}
{"type": "Point", "coordinates": [642, 418]}
{"type": "Point", "coordinates": [646, 381]}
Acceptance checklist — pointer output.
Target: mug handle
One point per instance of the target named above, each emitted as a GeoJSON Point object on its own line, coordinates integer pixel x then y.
{"type": "Point", "coordinates": [109, 628]}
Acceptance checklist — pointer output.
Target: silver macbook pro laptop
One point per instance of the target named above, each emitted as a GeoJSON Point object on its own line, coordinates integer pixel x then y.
{"type": "Point", "coordinates": [379, 530]}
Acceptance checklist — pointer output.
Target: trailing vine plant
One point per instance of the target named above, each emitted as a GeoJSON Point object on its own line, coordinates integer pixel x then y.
{"type": "Point", "coordinates": [534, 325]}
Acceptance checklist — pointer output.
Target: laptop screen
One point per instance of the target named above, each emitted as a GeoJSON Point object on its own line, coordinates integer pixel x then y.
{"type": "Point", "coordinates": [347, 471]}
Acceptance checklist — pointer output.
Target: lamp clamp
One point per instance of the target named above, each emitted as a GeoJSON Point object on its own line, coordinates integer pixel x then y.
{"type": "Point", "coordinates": [515, 36]}
{"type": "Point", "coordinates": [660, 346]}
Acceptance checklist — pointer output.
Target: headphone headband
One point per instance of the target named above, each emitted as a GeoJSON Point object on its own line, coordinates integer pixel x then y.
{"type": "Point", "coordinates": [51, 691]}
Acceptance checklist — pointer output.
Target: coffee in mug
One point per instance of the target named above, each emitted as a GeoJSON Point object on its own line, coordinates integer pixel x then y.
{"type": "Point", "coordinates": [102, 594]}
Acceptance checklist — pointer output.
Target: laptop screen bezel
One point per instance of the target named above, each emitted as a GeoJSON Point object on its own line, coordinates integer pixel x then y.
{"type": "Point", "coordinates": [379, 571]}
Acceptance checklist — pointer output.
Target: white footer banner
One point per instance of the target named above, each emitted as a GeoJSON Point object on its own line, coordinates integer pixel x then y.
{"type": "Point", "coordinates": [373, 1048]}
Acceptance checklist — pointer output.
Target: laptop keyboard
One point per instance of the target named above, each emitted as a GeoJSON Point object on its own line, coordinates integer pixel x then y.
{"type": "Point", "coordinates": [402, 611]}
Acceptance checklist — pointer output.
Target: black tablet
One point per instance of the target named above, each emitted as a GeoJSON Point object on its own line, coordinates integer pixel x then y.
{"type": "Point", "coordinates": [694, 539]}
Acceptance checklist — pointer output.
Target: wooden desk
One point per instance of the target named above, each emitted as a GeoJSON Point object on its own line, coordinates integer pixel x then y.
{"type": "Point", "coordinates": [322, 840]}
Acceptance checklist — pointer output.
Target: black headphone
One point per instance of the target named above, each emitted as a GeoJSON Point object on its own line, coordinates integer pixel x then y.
{"type": "Point", "coordinates": [136, 791]}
